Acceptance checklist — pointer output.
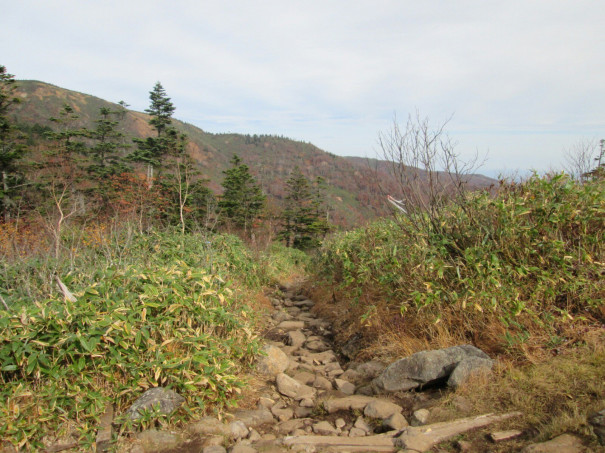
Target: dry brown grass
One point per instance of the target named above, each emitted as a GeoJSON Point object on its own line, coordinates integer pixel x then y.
{"type": "Point", "coordinates": [555, 395]}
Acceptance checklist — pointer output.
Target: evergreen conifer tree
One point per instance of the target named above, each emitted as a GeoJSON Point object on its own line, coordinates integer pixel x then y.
{"type": "Point", "coordinates": [243, 200]}
{"type": "Point", "coordinates": [151, 150]}
{"type": "Point", "coordinates": [11, 150]}
{"type": "Point", "coordinates": [302, 219]}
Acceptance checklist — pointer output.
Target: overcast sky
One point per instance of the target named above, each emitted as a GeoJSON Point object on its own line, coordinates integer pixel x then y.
{"type": "Point", "coordinates": [524, 80]}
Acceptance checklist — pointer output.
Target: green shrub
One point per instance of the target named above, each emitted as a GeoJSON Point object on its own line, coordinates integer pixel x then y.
{"type": "Point", "coordinates": [530, 258]}
{"type": "Point", "coordinates": [166, 315]}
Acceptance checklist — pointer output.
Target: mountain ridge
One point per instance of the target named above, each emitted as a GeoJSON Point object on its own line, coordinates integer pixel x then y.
{"type": "Point", "coordinates": [354, 190]}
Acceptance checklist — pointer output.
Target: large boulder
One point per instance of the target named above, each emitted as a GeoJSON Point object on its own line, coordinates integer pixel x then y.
{"type": "Point", "coordinates": [423, 368]}
{"type": "Point", "coordinates": [466, 368]}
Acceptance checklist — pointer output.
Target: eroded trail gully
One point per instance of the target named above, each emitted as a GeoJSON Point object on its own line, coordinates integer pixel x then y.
{"type": "Point", "coordinates": [308, 399]}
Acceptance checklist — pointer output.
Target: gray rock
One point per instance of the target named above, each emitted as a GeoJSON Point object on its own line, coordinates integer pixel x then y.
{"type": "Point", "coordinates": [366, 390]}
{"type": "Point", "coordinates": [351, 376]}
{"type": "Point", "coordinates": [214, 449]}
{"type": "Point", "coordinates": [253, 418]}
{"type": "Point", "coordinates": [290, 426]}
{"type": "Point", "coordinates": [291, 325]}
{"type": "Point", "coordinates": [597, 421]}
{"type": "Point", "coordinates": [357, 432]}
{"type": "Point", "coordinates": [303, 412]}
{"type": "Point", "coordinates": [370, 370]}
{"type": "Point", "coordinates": [360, 423]}
{"type": "Point", "coordinates": [324, 428]}
{"type": "Point", "coordinates": [565, 443]}
{"type": "Point", "coordinates": [344, 386]}
{"type": "Point", "coordinates": [208, 426]}
{"type": "Point", "coordinates": [353, 402]}
{"type": "Point", "coordinates": [395, 422]}
{"type": "Point", "coordinates": [281, 412]}
{"type": "Point", "coordinates": [423, 368]}
{"type": "Point", "coordinates": [265, 402]}
{"type": "Point", "coordinates": [352, 346]}
{"type": "Point", "coordinates": [316, 345]}
{"type": "Point", "coordinates": [420, 417]}
{"type": "Point", "coordinates": [292, 388]}
{"type": "Point", "coordinates": [381, 409]}
{"type": "Point", "coordinates": [162, 398]}
{"type": "Point", "coordinates": [274, 362]}
{"type": "Point", "coordinates": [238, 430]}
{"type": "Point", "coordinates": [322, 383]}
{"type": "Point", "coordinates": [304, 377]}
{"type": "Point", "coordinates": [240, 448]}
{"type": "Point", "coordinates": [307, 402]}
{"type": "Point", "coordinates": [466, 368]}
{"type": "Point", "coordinates": [156, 441]}
{"type": "Point", "coordinates": [340, 423]}
{"type": "Point", "coordinates": [296, 338]}
{"type": "Point", "coordinates": [280, 316]}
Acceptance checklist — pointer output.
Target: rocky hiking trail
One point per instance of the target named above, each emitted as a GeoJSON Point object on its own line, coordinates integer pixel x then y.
{"type": "Point", "coordinates": [309, 399]}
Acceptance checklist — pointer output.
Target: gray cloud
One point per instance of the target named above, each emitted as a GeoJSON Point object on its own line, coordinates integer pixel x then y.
{"type": "Point", "coordinates": [523, 79]}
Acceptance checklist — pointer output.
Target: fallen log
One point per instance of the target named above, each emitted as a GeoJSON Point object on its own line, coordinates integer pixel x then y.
{"type": "Point", "coordinates": [411, 438]}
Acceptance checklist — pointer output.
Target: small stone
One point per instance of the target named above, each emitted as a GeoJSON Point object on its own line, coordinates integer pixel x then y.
{"type": "Point", "coordinates": [154, 440]}
{"type": "Point", "coordinates": [264, 402]}
{"type": "Point", "coordinates": [214, 449]}
{"type": "Point", "coordinates": [307, 402]}
{"type": "Point", "coordinates": [322, 383]}
{"type": "Point", "coordinates": [213, 441]}
{"type": "Point", "coordinates": [241, 448]}
{"type": "Point", "coordinates": [344, 386]}
{"type": "Point", "coordinates": [291, 325]}
{"type": "Point", "coordinates": [395, 422]}
{"type": "Point", "coordinates": [303, 412]}
{"type": "Point", "coordinates": [420, 417]}
{"type": "Point", "coordinates": [274, 362]}
{"type": "Point", "coordinates": [501, 436]}
{"type": "Point", "coordinates": [207, 426]}
{"type": "Point", "coordinates": [464, 446]}
{"type": "Point", "coordinates": [365, 390]}
{"type": "Point", "coordinates": [289, 426]}
{"type": "Point", "coordinates": [164, 399]}
{"type": "Point", "coordinates": [296, 338]}
{"type": "Point", "coordinates": [334, 369]}
{"type": "Point", "coordinates": [351, 376]}
{"type": "Point", "coordinates": [253, 418]}
{"type": "Point", "coordinates": [304, 377]}
{"type": "Point", "coordinates": [324, 428]}
{"type": "Point", "coordinates": [381, 409]}
{"type": "Point", "coordinates": [254, 435]}
{"type": "Point", "coordinates": [340, 423]}
{"type": "Point", "coordinates": [282, 412]}
{"type": "Point", "coordinates": [238, 429]}
{"type": "Point", "coordinates": [353, 402]}
{"type": "Point", "coordinates": [292, 388]}
{"type": "Point", "coordinates": [360, 423]}
{"type": "Point", "coordinates": [565, 443]}
{"type": "Point", "coordinates": [317, 345]}
{"type": "Point", "coordinates": [356, 432]}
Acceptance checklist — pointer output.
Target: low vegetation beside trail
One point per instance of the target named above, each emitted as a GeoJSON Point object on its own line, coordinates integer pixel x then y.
{"type": "Point", "coordinates": [152, 309]}
{"type": "Point", "coordinates": [520, 274]}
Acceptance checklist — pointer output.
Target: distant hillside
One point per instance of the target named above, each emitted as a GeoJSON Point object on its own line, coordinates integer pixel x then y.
{"type": "Point", "coordinates": [353, 192]}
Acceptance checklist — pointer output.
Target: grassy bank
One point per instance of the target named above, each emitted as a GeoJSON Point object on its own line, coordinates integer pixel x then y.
{"type": "Point", "coordinates": [520, 274]}
{"type": "Point", "coordinates": [516, 274]}
{"type": "Point", "coordinates": [155, 309]}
